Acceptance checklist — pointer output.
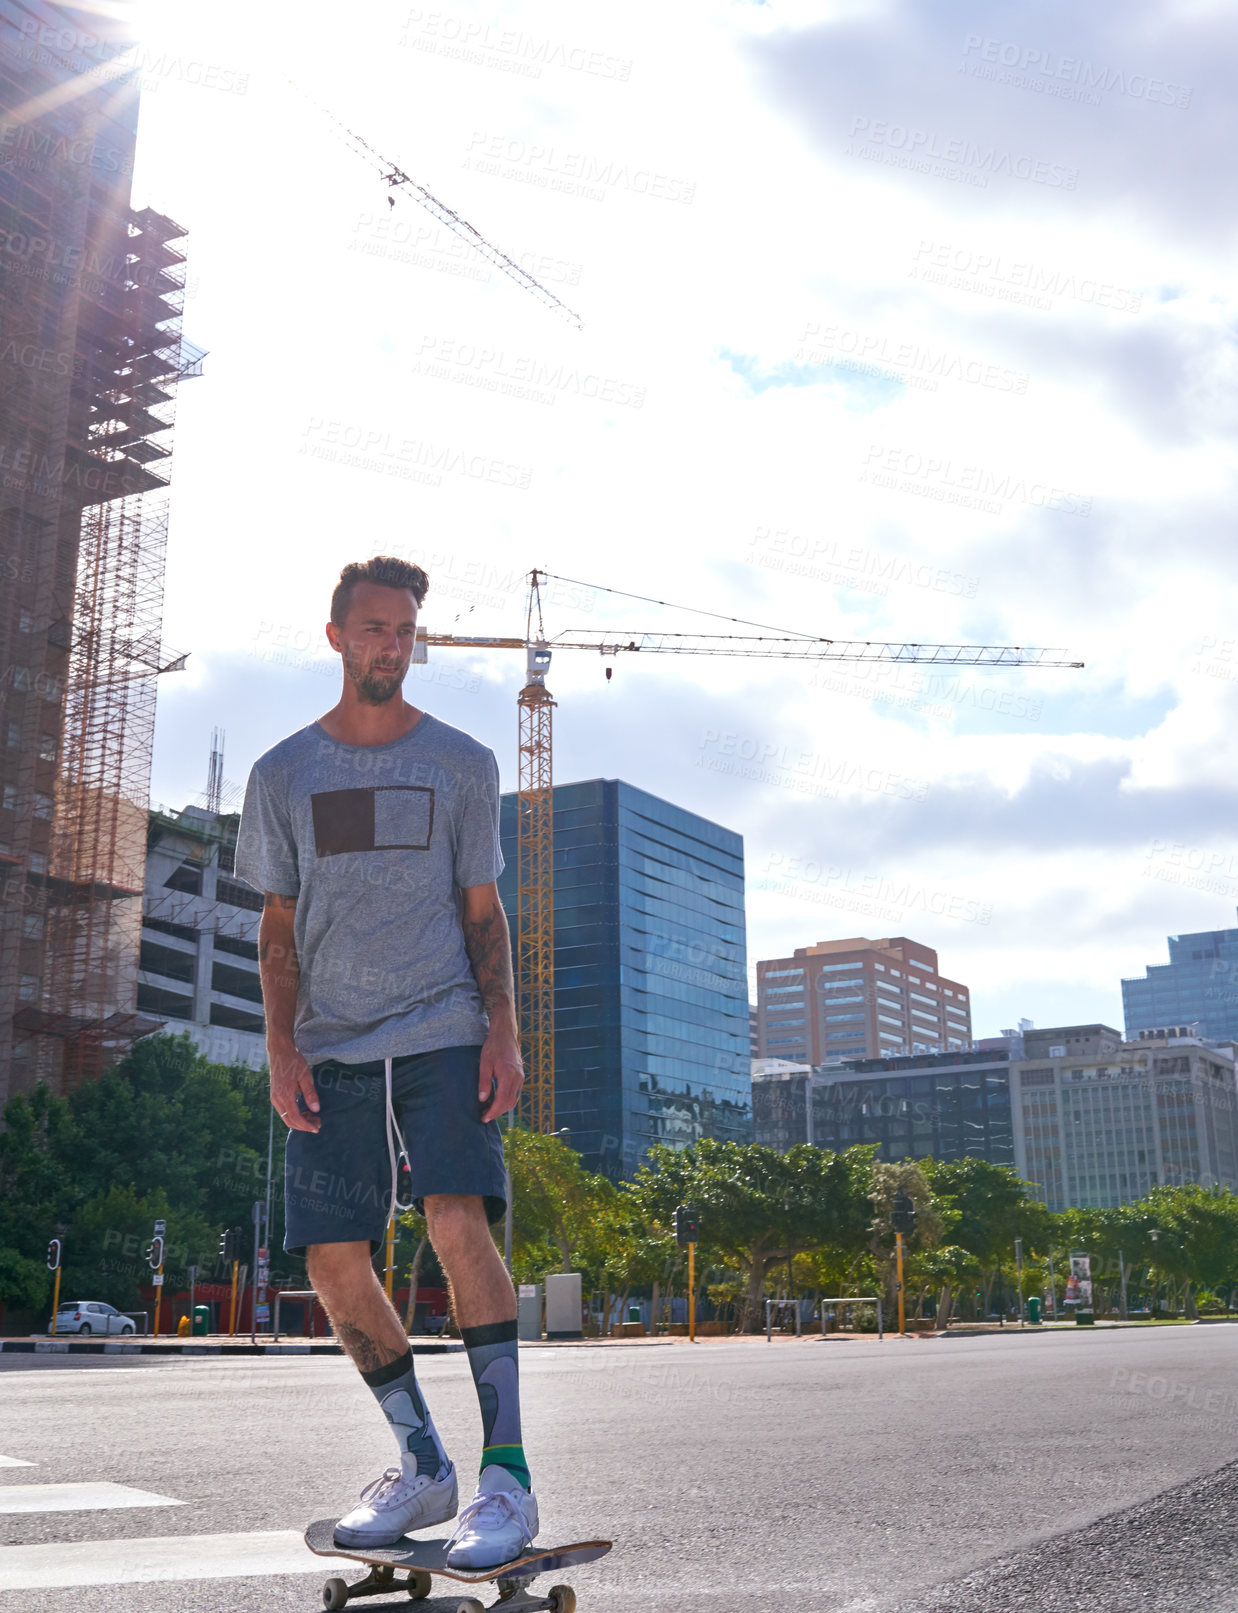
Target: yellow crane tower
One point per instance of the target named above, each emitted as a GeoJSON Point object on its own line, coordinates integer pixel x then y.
{"type": "Point", "coordinates": [535, 819]}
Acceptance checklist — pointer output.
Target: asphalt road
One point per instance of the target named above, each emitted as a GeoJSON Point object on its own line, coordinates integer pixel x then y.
{"type": "Point", "coordinates": [1019, 1472]}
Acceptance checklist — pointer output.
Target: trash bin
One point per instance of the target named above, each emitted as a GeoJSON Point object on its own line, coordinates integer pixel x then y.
{"type": "Point", "coordinates": [201, 1320]}
{"type": "Point", "coordinates": [1033, 1311]}
{"type": "Point", "coordinates": [633, 1313]}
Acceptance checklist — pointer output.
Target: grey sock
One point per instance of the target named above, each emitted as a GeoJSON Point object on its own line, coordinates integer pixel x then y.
{"type": "Point", "coordinates": [494, 1358]}
{"type": "Point", "coordinates": [395, 1388]}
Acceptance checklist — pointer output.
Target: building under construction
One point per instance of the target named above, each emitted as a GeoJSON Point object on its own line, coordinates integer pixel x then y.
{"type": "Point", "coordinates": [90, 348]}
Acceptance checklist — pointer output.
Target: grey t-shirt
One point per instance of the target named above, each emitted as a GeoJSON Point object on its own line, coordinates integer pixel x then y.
{"type": "Point", "coordinates": [376, 842]}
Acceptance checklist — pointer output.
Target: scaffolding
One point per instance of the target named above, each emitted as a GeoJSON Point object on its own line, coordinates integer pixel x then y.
{"type": "Point", "coordinates": [96, 872]}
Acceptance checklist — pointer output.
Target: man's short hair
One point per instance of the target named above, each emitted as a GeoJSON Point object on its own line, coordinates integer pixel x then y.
{"type": "Point", "coordinates": [385, 571]}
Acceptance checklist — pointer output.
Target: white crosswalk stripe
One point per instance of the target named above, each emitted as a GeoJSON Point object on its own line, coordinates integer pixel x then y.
{"type": "Point", "coordinates": [163, 1557]}
{"type": "Point", "coordinates": [86, 1497]}
{"type": "Point", "coordinates": [16, 1461]}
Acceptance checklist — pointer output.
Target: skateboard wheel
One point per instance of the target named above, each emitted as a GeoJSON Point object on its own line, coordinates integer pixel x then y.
{"type": "Point", "coordinates": [334, 1594]}
{"type": "Point", "coordinates": [470, 1604]}
{"type": "Point", "coordinates": [562, 1599]}
{"type": "Point", "coordinates": [418, 1584]}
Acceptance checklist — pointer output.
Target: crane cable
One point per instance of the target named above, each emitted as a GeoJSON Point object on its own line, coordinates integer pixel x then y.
{"type": "Point", "coordinates": [740, 621]}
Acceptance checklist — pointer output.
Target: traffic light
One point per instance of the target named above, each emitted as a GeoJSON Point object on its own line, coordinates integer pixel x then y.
{"type": "Point", "coordinates": [231, 1244]}
{"type": "Point", "coordinates": [154, 1251]}
{"type": "Point", "coordinates": [686, 1225]}
{"type": "Point", "coordinates": [903, 1215]}
{"type": "Point", "coordinates": [53, 1255]}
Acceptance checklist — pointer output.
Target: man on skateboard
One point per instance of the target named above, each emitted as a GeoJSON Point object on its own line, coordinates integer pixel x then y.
{"type": "Point", "coordinates": [386, 979]}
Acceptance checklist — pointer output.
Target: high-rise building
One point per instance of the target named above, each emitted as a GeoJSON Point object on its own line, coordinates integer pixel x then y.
{"type": "Point", "coordinates": [1198, 986]}
{"type": "Point", "coordinates": [925, 1106]}
{"type": "Point", "coordinates": [90, 343]}
{"type": "Point", "coordinates": [199, 958]}
{"type": "Point", "coordinates": [859, 999]}
{"type": "Point", "coordinates": [1099, 1120]}
{"type": "Point", "coordinates": [651, 1001]}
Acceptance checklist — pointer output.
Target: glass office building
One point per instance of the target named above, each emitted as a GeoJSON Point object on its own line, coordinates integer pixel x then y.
{"type": "Point", "coordinates": [927, 1106]}
{"type": "Point", "coordinates": [651, 996]}
{"type": "Point", "coordinates": [1197, 987]}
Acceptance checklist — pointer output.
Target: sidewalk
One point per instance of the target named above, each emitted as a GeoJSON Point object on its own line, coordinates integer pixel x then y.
{"type": "Point", "coordinates": [210, 1344]}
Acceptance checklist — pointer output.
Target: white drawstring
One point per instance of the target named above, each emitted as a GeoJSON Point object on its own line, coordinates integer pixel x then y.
{"type": "Point", "coordinates": [394, 1133]}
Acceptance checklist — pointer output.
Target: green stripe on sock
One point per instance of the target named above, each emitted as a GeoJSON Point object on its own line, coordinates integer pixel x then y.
{"type": "Point", "coordinates": [509, 1456]}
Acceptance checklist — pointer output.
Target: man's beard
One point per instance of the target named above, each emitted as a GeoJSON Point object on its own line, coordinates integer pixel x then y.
{"type": "Point", "coordinates": [377, 688]}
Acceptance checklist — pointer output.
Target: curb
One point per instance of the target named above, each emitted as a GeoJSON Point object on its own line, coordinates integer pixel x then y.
{"type": "Point", "coordinates": [107, 1347]}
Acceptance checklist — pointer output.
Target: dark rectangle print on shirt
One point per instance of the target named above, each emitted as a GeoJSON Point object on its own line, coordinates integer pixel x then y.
{"type": "Point", "coordinates": [385, 817]}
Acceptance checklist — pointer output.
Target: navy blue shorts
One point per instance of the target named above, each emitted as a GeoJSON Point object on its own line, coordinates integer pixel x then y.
{"type": "Point", "coordinates": [337, 1181]}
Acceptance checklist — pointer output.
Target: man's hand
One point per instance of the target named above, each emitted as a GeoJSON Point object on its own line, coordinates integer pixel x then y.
{"type": "Point", "coordinates": [291, 1077]}
{"type": "Point", "coordinates": [502, 1071]}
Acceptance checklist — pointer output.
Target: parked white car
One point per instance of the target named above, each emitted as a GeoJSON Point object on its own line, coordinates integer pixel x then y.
{"type": "Point", "coordinates": [91, 1316]}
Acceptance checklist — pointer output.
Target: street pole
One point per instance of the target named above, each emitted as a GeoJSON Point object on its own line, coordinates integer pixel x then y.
{"type": "Point", "coordinates": [1052, 1289]}
{"type": "Point", "coordinates": [193, 1278]}
{"type": "Point", "coordinates": [270, 1152]}
{"type": "Point", "coordinates": [232, 1312]}
{"type": "Point", "coordinates": [691, 1293]}
{"type": "Point", "coordinates": [53, 1253]}
{"type": "Point", "coordinates": [1018, 1256]}
{"type": "Point", "coordinates": [160, 1228]}
{"type": "Point", "coordinates": [1122, 1274]}
{"type": "Point", "coordinates": [259, 1215]}
{"type": "Point", "coordinates": [898, 1246]}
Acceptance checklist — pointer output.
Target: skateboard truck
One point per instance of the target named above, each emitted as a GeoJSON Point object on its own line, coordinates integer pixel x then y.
{"type": "Point", "coordinates": [513, 1594]}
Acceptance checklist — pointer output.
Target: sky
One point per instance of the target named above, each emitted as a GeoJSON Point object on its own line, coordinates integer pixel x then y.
{"type": "Point", "coordinates": [900, 324]}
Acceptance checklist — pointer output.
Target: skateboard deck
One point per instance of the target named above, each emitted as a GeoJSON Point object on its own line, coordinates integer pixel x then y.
{"type": "Point", "coordinates": [419, 1560]}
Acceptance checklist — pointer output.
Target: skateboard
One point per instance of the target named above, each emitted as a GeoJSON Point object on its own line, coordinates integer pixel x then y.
{"type": "Point", "coordinates": [421, 1560]}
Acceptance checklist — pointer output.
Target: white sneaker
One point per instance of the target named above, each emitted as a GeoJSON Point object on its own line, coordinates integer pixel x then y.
{"type": "Point", "coordinates": [394, 1504]}
{"type": "Point", "coordinates": [497, 1526]}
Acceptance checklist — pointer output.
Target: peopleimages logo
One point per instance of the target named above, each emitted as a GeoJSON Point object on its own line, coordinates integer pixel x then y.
{"type": "Point", "coordinates": [923, 147]}
{"type": "Point", "coordinates": [1052, 68]}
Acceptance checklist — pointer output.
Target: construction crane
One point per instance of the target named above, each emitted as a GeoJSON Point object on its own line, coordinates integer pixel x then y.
{"type": "Point", "coordinates": [534, 803]}
{"type": "Point", "coordinates": [395, 178]}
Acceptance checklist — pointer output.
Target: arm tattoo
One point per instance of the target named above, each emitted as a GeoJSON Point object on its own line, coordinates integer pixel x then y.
{"type": "Point", "coordinates": [488, 944]}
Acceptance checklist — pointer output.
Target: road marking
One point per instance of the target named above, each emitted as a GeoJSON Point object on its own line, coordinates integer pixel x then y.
{"type": "Point", "coordinates": [162, 1557]}
{"type": "Point", "coordinates": [89, 1497]}
{"type": "Point", "coordinates": [16, 1461]}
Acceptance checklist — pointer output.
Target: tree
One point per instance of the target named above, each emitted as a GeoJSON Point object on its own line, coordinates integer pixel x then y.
{"type": "Point", "coordinates": [557, 1205]}
{"type": "Point", "coordinates": [1198, 1242]}
{"type": "Point", "coordinates": [992, 1209]}
{"type": "Point", "coordinates": [105, 1250]}
{"type": "Point", "coordinates": [759, 1207]}
{"type": "Point", "coordinates": [36, 1196]}
{"type": "Point", "coordinates": [949, 1267]}
{"type": "Point", "coordinates": [167, 1132]}
{"type": "Point", "coordinates": [632, 1254]}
